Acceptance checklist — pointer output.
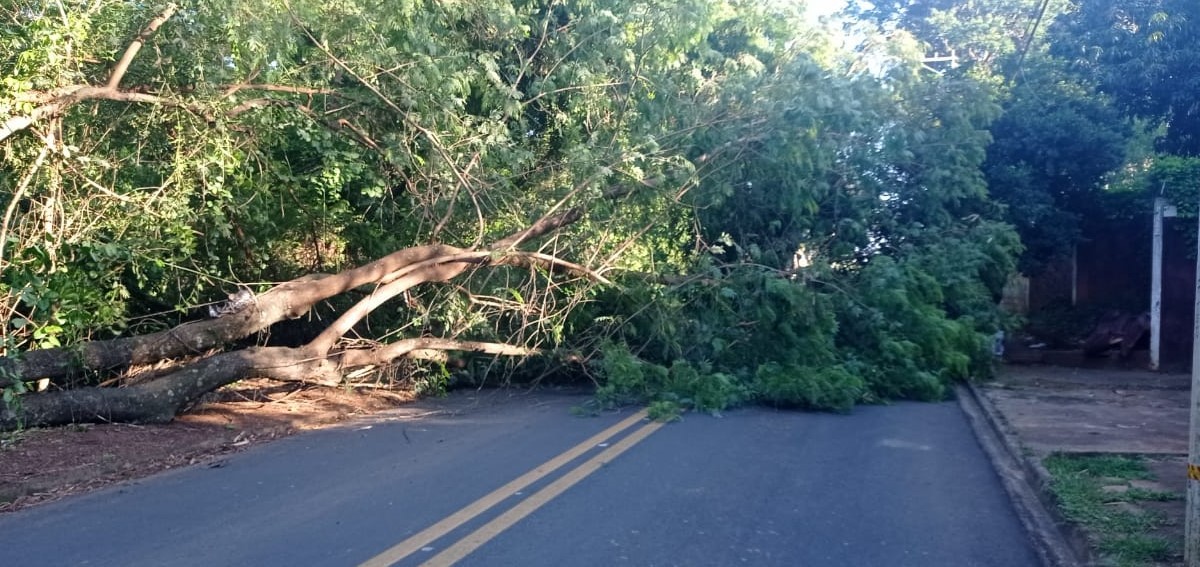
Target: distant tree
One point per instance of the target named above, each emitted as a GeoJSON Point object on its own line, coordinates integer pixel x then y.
{"type": "Point", "coordinates": [976, 35]}
{"type": "Point", "coordinates": [1051, 150]}
{"type": "Point", "coordinates": [1146, 55]}
{"type": "Point", "coordinates": [1057, 136]}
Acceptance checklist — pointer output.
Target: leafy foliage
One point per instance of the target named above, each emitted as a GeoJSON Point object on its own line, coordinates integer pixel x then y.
{"type": "Point", "coordinates": [789, 222]}
{"type": "Point", "coordinates": [1145, 55]}
{"type": "Point", "coordinates": [1056, 137]}
{"type": "Point", "coordinates": [1052, 149]}
{"type": "Point", "coordinates": [1176, 178]}
{"type": "Point", "coordinates": [896, 328]}
{"type": "Point", "coordinates": [979, 37]}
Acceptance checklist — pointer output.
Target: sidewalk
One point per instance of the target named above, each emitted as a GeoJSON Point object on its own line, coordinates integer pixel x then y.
{"type": "Point", "coordinates": [1035, 412]}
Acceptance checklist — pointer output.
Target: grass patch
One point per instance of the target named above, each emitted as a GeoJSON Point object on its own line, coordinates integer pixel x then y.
{"type": "Point", "coordinates": [1099, 466]}
{"type": "Point", "coordinates": [1143, 495]}
{"type": "Point", "coordinates": [1123, 535]}
{"type": "Point", "coordinates": [1138, 550]}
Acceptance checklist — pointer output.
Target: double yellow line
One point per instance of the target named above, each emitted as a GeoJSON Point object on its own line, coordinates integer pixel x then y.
{"type": "Point", "coordinates": [485, 533]}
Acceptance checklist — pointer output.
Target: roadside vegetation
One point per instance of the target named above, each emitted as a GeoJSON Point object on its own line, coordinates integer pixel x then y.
{"type": "Point", "coordinates": [1100, 493]}
{"type": "Point", "coordinates": [695, 205]}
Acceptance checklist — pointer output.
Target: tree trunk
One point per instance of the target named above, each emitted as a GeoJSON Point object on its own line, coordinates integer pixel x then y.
{"type": "Point", "coordinates": [286, 301]}
{"type": "Point", "coordinates": [317, 362]}
{"type": "Point", "coordinates": [159, 400]}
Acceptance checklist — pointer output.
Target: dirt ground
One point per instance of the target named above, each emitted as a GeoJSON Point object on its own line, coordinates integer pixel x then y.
{"type": "Point", "coordinates": [42, 465]}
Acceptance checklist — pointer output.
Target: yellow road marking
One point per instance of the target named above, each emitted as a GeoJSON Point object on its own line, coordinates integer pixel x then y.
{"type": "Point", "coordinates": [466, 545]}
{"type": "Point", "coordinates": [453, 521]}
{"type": "Point", "coordinates": [1193, 472]}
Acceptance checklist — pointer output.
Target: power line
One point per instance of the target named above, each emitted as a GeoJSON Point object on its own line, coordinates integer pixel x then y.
{"type": "Point", "coordinates": [1029, 36]}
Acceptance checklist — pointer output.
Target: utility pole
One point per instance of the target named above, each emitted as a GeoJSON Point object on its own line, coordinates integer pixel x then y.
{"type": "Point", "coordinates": [1191, 532]}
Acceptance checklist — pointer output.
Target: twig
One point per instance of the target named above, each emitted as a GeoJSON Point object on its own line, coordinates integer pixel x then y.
{"type": "Point", "coordinates": [19, 194]}
{"type": "Point", "coordinates": [68, 96]}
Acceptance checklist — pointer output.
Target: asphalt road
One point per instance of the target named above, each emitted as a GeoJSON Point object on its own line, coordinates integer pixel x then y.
{"type": "Point", "coordinates": [905, 484]}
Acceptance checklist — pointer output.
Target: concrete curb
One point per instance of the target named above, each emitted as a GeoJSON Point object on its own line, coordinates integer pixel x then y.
{"type": "Point", "coordinates": [1057, 542]}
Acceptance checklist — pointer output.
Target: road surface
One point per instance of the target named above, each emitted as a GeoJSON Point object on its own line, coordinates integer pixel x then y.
{"type": "Point", "coordinates": [498, 479]}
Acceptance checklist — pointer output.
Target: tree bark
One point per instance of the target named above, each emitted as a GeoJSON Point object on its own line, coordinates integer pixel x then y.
{"type": "Point", "coordinates": [159, 400]}
{"type": "Point", "coordinates": [289, 300]}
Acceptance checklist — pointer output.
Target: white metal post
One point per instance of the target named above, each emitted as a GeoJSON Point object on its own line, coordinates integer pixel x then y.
{"type": "Point", "coordinates": [1156, 284]}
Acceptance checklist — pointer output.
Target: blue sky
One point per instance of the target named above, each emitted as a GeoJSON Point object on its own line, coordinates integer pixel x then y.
{"type": "Point", "coordinates": [815, 9]}
{"type": "Point", "coordinates": [822, 7]}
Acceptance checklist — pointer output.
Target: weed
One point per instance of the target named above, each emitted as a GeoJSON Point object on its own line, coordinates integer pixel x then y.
{"type": "Point", "coordinates": [1137, 550]}
{"type": "Point", "coordinates": [1122, 535]}
{"type": "Point", "coordinates": [431, 379]}
{"type": "Point", "coordinates": [11, 394]}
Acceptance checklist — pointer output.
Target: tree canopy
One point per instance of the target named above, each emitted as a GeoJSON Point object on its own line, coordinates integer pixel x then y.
{"type": "Point", "coordinates": [1144, 54]}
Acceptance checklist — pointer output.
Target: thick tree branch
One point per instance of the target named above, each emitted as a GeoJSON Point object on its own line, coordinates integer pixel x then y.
{"type": "Point", "coordinates": [434, 270]}
{"type": "Point", "coordinates": [251, 104]}
{"type": "Point", "coordinates": [542, 226]}
{"type": "Point", "coordinates": [81, 93]}
{"type": "Point", "coordinates": [386, 353]}
{"type": "Point", "coordinates": [159, 400]}
{"type": "Point", "coordinates": [556, 217]}
{"type": "Point", "coordinates": [118, 72]}
{"type": "Point", "coordinates": [67, 96]}
{"type": "Point", "coordinates": [286, 301]}
{"type": "Point", "coordinates": [548, 262]}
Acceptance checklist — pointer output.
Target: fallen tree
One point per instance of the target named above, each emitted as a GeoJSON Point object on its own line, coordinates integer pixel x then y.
{"type": "Point", "coordinates": [323, 361]}
{"type": "Point", "coordinates": [256, 145]}
{"type": "Point", "coordinates": [197, 354]}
